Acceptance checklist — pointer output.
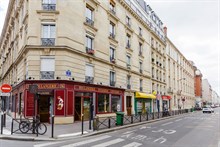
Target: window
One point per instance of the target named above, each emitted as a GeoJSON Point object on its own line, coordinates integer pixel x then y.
{"type": "Point", "coordinates": [49, 5]}
{"type": "Point", "coordinates": [89, 45]}
{"type": "Point", "coordinates": [115, 103]}
{"type": "Point", "coordinates": [103, 103]}
{"type": "Point", "coordinates": [128, 21]}
{"type": "Point", "coordinates": [89, 73]}
{"type": "Point", "coordinates": [140, 49]}
{"type": "Point", "coordinates": [112, 30]}
{"type": "Point", "coordinates": [112, 8]}
{"type": "Point", "coordinates": [140, 31]}
{"type": "Point", "coordinates": [112, 78]}
{"type": "Point", "coordinates": [48, 34]}
{"type": "Point", "coordinates": [89, 16]}
{"type": "Point", "coordinates": [128, 60]}
{"type": "Point", "coordinates": [47, 68]}
{"type": "Point", "coordinates": [128, 41]}
{"type": "Point", "coordinates": [112, 54]}
{"type": "Point", "coordinates": [141, 85]}
{"type": "Point", "coordinates": [128, 82]}
{"type": "Point", "coordinates": [141, 67]}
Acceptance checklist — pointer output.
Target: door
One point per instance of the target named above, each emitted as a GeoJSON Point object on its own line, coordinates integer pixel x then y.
{"type": "Point", "coordinates": [44, 106]}
{"type": "Point", "coordinates": [86, 108]}
{"type": "Point", "coordinates": [77, 112]}
{"type": "Point", "coordinates": [128, 105]}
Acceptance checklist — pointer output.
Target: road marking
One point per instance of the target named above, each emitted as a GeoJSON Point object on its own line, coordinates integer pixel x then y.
{"type": "Point", "coordinates": [87, 141]}
{"type": "Point", "coordinates": [144, 127]}
{"type": "Point", "coordinates": [161, 139]}
{"type": "Point", "coordinates": [46, 144]}
{"type": "Point", "coordinates": [108, 143]}
{"type": "Point", "coordinates": [167, 123]}
{"type": "Point", "coordinates": [178, 120]}
{"type": "Point", "coordinates": [71, 135]}
{"type": "Point", "coordinates": [133, 144]}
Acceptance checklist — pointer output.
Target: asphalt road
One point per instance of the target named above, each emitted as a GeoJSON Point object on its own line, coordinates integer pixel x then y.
{"type": "Point", "coordinates": [194, 130]}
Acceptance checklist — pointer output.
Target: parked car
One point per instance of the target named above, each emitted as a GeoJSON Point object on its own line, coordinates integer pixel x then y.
{"type": "Point", "coordinates": [207, 109]}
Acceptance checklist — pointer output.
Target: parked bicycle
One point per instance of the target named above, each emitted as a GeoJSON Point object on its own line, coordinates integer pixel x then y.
{"type": "Point", "coordinates": [27, 125]}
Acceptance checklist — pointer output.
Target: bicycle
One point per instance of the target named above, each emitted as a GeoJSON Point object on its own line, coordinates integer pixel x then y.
{"type": "Point", "coordinates": [27, 125]}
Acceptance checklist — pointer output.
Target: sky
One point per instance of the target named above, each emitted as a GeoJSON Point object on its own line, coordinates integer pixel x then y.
{"type": "Point", "coordinates": [192, 25]}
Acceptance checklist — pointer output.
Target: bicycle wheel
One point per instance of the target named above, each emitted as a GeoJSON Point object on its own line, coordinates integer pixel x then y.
{"type": "Point", "coordinates": [24, 126]}
{"type": "Point", "coordinates": [41, 128]}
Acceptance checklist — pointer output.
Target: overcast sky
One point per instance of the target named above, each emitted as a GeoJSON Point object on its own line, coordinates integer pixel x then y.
{"type": "Point", "coordinates": [193, 26]}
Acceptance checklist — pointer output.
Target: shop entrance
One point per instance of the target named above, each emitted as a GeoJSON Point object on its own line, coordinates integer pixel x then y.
{"type": "Point", "coordinates": [44, 107]}
{"type": "Point", "coordinates": [82, 105]}
{"type": "Point", "coordinates": [128, 105]}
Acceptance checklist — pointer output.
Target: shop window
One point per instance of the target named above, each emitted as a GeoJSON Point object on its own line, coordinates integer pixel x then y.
{"type": "Point", "coordinates": [103, 103]}
{"type": "Point", "coordinates": [116, 103]}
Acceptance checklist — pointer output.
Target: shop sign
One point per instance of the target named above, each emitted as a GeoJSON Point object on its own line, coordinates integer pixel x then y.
{"type": "Point", "coordinates": [49, 86]}
{"type": "Point", "coordinates": [94, 89]}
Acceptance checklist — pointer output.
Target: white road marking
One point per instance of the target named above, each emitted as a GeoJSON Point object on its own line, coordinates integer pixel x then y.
{"type": "Point", "coordinates": [87, 141]}
{"type": "Point", "coordinates": [144, 127]}
{"type": "Point", "coordinates": [178, 120]}
{"type": "Point", "coordinates": [161, 139]}
{"type": "Point", "coordinates": [108, 143]}
{"type": "Point", "coordinates": [169, 131]}
{"type": "Point", "coordinates": [133, 144]}
{"type": "Point", "coordinates": [71, 135]}
{"type": "Point", "coordinates": [167, 123]}
{"type": "Point", "coordinates": [46, 144]}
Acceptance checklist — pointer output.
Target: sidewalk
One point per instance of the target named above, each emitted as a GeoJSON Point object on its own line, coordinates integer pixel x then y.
{"type": "Point", "coordinates": [64, 132]}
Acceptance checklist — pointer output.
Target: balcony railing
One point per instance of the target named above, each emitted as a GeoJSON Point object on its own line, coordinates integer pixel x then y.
{"type": "Point", "coordinates": [128, 86]}
{"type": "Point", "coordinates": [48, 41]}
{"type": "Point", "coordinates": [128, 66]}
{"type": "Point", "coordinates": [128, 45]}
{"type": "Point", "coordinates": [112, 35]}
{"type": "Point", "coordinates": [112, 59]}
{"type": "Point", "coordinates": [141, 71]}
{"type": "Point", "coordinates": [89, 79]}
{"type": "Point", "coordinates": [141, 88]}
{"type": "Point", "coordinates": [90, 51]}
{"type": "Point", "coordinates": [89, 21]}
{"type": "Point", "coordinates": [112, 83]}
{"type": "Point", "coordinates": [49, 7]}
{"type": "Point", "coordinates": [112, 11]}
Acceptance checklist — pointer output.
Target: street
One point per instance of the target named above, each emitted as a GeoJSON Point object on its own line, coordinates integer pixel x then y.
{"type": "Point", "coordinates": [192, 130]}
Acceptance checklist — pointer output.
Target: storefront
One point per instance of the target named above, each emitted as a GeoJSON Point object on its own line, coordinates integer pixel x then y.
{"type": "Point", "coordinates": [67, 100]}
{"type": "Point", "coordinates": [166, 102]}
{"type": "Point", "coordinates": [143, 102]}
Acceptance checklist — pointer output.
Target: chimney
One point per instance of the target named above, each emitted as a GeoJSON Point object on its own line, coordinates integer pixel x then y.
{"type": "Point", "coordinates": [165, 30]}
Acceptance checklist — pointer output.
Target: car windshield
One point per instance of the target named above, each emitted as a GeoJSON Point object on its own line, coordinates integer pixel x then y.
{"type": "Point", "coordinates": [207, 106]}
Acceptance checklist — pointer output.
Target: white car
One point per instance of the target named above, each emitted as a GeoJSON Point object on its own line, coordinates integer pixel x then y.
{"type": "Point", "coordinates": [207, 109]}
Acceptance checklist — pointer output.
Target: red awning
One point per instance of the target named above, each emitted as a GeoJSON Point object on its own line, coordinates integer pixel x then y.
{"type": "Point", "coordinates": [166, 97]}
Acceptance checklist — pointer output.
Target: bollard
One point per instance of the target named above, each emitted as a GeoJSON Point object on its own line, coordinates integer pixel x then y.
{"type": "Point", "coordinates": [2, 124]}
{"type": "Point", "coordinates": [82, 123]}
{"type": "Point", "coordinates": [12, 126]}
{"type": "Point", "coordinates": [140, 117]}
{"type": "Point", "coordinates": [52, 126]}
{"type": "Point", "coordinates": [147, 116]}
{"type": "Point", "coordinates": [4, 119]}
{"type": "Point", "coordinates": [132, 119]}
{"type": "Point", "coordinates": [109, 122]}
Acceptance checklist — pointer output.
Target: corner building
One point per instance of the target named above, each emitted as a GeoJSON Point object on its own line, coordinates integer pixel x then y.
{"type": "Point", "coordinates": [78, 53]}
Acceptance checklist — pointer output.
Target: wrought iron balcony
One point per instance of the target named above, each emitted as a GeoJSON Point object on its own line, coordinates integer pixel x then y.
{"type": "Point", "coordinates": [112, 59]}
{"type": "Point", "coordinates": [112, 83]}
{"type": "Point", "coordinates": [89, 79]}
{"type": "Point", "coordinates": [90, 51]}
{"type": "Point", "coordinates": [89, 21]}
{"type": "Point", "coordinates": [112, 35]}
{"type": "Point", "coordinates": [112, 11]}
{"type": "Point", "coordinates": [141, 88]}
{"type": "Point", "coordinates": [141, 71]}
{"type": "Point", "coordinates": [128, 45]}
{"type": "Point", "coordinates": [128, 86]}
{"type": "Point", "coordinates": [49, 7]}
{"type": "Point", "coordinates": [48, 41]}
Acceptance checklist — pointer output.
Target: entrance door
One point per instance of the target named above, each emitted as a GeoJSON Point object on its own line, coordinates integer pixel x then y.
{"type": "Point", "coordinates": [77, 114]}
{"type": "Point", "coordinates": [44, 105]}
{"type": "Point", "coordinates": [128, 105]}
{"type": "Point", "coordinates": [86, 106]}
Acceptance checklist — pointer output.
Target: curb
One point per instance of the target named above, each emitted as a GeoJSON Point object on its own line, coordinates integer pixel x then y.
{"type": "Point", "coordinates": [27, 138]}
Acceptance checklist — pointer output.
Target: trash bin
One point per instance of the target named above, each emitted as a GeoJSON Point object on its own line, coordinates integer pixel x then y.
{"type": "Point", "coordinates": [119, 118]}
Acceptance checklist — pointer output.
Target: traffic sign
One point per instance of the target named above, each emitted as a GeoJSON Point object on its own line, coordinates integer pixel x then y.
{"type": "Point", "coordinates": [6, 88]}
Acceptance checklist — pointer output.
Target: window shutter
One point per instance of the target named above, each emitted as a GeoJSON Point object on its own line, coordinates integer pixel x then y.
{"type": "Point", "coordinates": [47, 64]}
{"type": "Point", "coordinates": [89, 71]}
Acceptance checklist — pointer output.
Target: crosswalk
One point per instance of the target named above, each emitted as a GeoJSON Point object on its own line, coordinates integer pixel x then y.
{"type": "Point", "coordinates": [101, 142]}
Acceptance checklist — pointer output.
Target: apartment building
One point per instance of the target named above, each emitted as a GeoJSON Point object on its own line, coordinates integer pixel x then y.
{"type": "Point", "coordinates": [198, 87]}
{"type": "Point", "coordinates": [82, 55]}
{"type": "Point", "coordinates": [206, 92]}
{"type": "Point", "coordinates": [180, 78]}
